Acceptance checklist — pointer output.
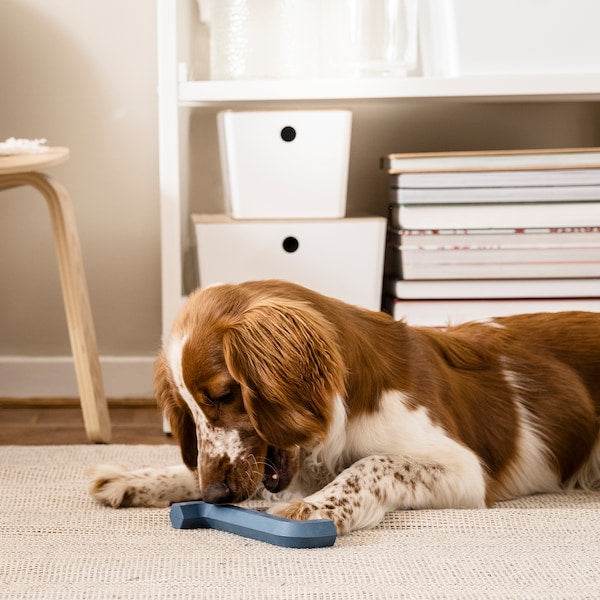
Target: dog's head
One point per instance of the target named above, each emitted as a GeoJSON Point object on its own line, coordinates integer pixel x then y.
{"type": "Point", "coordinates": [247, 377]}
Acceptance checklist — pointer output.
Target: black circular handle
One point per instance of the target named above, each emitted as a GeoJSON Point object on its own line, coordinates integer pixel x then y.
{"type": "Point", "coordinates": [290, 244]}
{"type": "Point", "coordinates": [288, 134]}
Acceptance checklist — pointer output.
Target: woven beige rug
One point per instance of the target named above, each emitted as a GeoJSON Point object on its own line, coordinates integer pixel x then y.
{"type": "Point", "coordinates": [55, 542]}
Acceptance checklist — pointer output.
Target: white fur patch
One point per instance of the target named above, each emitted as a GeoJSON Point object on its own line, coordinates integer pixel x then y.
{"type": "Point", "coordinates": [213, 442]}
{"type": "Point", "coordinates": [218, 441]}
{"type": "Point", "coordinates": [491, 322]}
{"type": "Point", "coordinates": [397, 430]}
{"type": "Point", "coordinates": [531, 470]}
{"type": "Point", "coordinates": [174, 354]}
{"type": "Point", "coordinates": [333, 447]}
{"type": "Point", "coordinates": [320, 464]}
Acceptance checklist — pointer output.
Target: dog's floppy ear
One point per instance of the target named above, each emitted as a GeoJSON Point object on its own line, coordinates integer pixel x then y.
{"type": "Point", "coordinates": [182, 424]}
{"type": "Point", "coordinates": [286, 357]}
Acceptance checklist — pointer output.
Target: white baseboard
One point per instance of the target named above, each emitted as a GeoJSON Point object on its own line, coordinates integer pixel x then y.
{"type": "Point", "coordinates": [54, 376]}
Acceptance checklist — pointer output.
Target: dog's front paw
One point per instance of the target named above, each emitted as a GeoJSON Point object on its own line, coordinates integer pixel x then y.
{"type": "Point", "coordinates": [302, 510]}
{"type": "Point", "coordinates": [157, 488]}
{"type": "Point", "coordinates": [298, 510]}
{"type": "Point", "coordinates": [112, 485]}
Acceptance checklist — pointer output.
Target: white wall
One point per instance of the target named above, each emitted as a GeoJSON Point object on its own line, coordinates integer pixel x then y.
{"type": "Point", "coordinates": [83, 75]}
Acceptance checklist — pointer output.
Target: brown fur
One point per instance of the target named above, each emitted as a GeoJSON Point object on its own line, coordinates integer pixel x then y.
{"type": "Point", "coordinates": [280, 351]}
{"type": "Point", "coordinates": [289, 349]}
{"type": "Point", "coordinates": [263, 362]}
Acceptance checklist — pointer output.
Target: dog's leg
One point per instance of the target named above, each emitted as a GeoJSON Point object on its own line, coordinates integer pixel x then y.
{"type": "Point", "coordinates": [117, 487]}
{"type": "Point", "coordinates": [360, 495]}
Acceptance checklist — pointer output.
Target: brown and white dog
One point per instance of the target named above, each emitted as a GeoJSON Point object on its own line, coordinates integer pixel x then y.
{"type": "Point", "coordinates": [344, 413]}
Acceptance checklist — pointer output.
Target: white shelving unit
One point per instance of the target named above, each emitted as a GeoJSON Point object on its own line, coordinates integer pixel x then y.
{"type": "Point", "coordinates": [179, 92]}
{"type": "Point", "coordinates": [511, 88]}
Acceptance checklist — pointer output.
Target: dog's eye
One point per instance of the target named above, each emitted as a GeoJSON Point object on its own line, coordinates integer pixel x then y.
{"type": "Point", "coordinates": [223, 398]}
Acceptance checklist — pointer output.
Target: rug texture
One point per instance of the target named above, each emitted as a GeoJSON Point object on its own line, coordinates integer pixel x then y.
{"type": "Point", "coordinates": [56, 542]}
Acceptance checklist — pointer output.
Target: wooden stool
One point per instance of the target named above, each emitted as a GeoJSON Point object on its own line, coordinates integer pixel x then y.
{"type": "Point", "coordinates": [20, 170]}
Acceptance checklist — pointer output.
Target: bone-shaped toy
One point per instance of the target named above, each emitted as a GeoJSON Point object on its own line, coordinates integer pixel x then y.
{"type": "Point", "coordinates": [254, 524]}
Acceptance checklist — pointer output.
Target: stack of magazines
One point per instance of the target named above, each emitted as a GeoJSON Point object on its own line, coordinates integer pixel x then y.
{"type": "Point", "coordinates": [479, 234]}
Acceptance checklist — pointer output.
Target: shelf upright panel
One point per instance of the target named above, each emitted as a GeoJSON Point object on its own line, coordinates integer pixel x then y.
{"type": "Point", "coordinates": [168, 158]}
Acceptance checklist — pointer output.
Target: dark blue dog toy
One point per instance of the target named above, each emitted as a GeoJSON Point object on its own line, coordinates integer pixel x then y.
{"type": "Point", "coordinates": [253, 524]}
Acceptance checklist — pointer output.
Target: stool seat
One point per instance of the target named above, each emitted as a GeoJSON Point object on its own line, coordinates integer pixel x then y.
{"type": "Point", "coordinates": [22, 163]}
{"type": "Point", "coordinates": [23, 170]}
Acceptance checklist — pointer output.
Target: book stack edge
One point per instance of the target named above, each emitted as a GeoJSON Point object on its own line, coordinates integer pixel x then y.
{"type": "Point", "coordinates": [473, 235]}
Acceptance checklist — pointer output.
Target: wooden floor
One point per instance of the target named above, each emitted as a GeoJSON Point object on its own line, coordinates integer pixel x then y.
{"type": "Point", "coordinates": [59, 421]}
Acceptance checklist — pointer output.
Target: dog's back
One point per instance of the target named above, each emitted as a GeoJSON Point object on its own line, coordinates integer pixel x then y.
{"type": "Point", "coordinates": [573, 338]}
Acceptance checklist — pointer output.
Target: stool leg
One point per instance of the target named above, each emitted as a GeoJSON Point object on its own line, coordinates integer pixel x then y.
{"type": "Point", "coordinates": [77, 307]}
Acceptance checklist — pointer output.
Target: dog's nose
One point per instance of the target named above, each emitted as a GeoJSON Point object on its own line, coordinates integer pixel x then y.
{"type": "Point", "coordinates": [216, 493]}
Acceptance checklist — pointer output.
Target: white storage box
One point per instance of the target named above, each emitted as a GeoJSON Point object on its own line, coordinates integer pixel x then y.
{"type": "Point", "coordinates": [341, 258]}
{"type": "Point", "coordinates": [289, 164]}
{"type": "Point", "coordinates": [509, 37]}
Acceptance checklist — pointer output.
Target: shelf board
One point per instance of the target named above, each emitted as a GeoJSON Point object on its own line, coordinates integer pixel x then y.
{"type": "Point", "coordinates": [510, 87]}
